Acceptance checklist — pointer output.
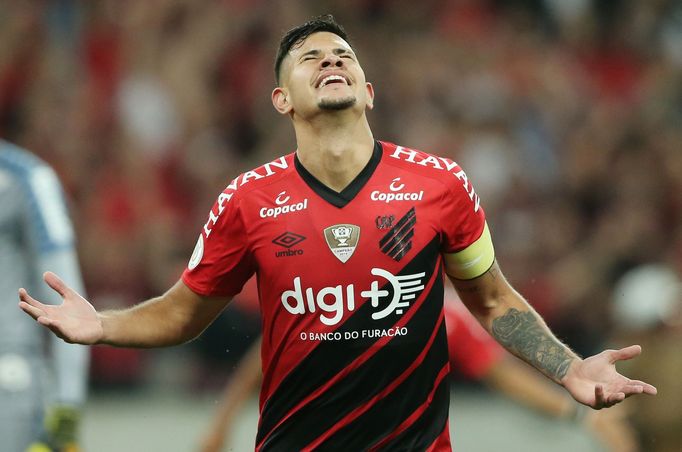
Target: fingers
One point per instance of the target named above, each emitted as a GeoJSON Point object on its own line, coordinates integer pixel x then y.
{"type": "Point", "coordinates": [646, 387]}
{"type": "Point", "coordinates": [34, 308]}
{"type": "Point", "coordinates": [26, 298]}
{"type": "Point", "coordinates": [31, 310]}
{"type": "Point", "coordinates": [601, 400]}
{"type": "Point", "coordinates": [634, 387]}
{"type": "Point", "coordinates": [38, 314]}
{"type": "Point", "coordinates": [56, 283]}
{"type": "Point", "coordinates": [625, 353]}
{"type": "Point", "coordinates": [53, 326]}
{"type": "Point", "coordinates": [615, 398]}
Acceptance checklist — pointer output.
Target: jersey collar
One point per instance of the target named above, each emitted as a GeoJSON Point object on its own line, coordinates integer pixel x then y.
{"type": "Point", "coordinates": [340, 199]}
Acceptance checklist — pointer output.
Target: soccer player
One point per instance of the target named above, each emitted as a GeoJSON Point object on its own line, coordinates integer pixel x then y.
{"type": "Point", "coordinates": [347, 236]}
{"type": "Point", "coordinates": [476, 356]}
{"type": "Point", "coordinates": [41, 388]}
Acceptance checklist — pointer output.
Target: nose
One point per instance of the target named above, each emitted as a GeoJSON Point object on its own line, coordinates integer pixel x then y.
{"type": "Point", "coordinates": [331, 60]}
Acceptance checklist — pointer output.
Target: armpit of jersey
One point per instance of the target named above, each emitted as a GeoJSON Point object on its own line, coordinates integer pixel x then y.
{"type": "Point", "coordinates": [474, 260]}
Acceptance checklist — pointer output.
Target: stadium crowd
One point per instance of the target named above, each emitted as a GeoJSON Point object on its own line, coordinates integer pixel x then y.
{"type": "Point", "coordinates": [565, 114]}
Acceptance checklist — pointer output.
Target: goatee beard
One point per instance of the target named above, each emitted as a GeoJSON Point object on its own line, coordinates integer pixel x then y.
{"type": "Point", "coordinates": [336, 104]}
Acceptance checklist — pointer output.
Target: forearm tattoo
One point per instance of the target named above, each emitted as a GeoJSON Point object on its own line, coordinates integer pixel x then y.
{"type": "Point", "coordinates": [523, 335]}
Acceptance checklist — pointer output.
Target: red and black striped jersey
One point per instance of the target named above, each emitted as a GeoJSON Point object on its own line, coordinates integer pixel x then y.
{"type": "Point", "coordinates": [350, 284]}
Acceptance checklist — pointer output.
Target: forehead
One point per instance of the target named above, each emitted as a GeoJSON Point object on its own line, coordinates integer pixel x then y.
{"type": "Point", "coordinates": [321, 41]}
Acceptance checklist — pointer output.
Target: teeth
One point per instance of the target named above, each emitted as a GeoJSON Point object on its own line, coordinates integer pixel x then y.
{"type": "Point", "coordinates": [330, 78]}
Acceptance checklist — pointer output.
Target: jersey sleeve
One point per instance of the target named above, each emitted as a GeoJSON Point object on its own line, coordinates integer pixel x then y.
{"type": "Point", "coordinates": [222, 261]}
{"type": "Point", "coordinates": [472, 350]}
{"type": "Point", "coordinates": [467, 243]}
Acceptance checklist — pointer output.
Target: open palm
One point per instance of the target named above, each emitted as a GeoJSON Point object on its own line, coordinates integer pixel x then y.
{"type": "Point", "coordinates": [595, 381]}
{"type": "Point", "coordinates": [75, 320]}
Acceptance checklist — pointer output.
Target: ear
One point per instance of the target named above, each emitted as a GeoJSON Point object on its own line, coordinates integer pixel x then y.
{"type": "Point", "coordinates": [280, 100]}
{"type": "Point", "coordinates": [370, 95]}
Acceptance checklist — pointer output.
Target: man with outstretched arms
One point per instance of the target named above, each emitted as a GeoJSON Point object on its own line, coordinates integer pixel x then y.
{"type": "Point", "coordinates": [42, 386]}
{"type": "Point", "coordinates": [351, 293]}
{"type": "Point", "coordinates": [348, 236]}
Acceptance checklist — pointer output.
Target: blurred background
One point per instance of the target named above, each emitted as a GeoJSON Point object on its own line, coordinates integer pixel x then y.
{"type": "Point", "coordinates": [566, 114]}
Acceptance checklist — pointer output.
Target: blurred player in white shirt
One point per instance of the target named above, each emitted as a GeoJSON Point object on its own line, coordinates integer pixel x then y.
{"type": "Point", "coordinates": [42, 378]}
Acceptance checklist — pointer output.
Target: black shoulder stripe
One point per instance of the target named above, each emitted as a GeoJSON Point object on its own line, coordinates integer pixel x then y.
{"type": "Point", "coordinates": [398, 241]}
{"type": "Point", "coordinates": [401, 225]}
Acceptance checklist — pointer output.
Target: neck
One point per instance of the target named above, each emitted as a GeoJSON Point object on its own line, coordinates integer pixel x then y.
{"type": "Point", "coordinates": [333, 149]}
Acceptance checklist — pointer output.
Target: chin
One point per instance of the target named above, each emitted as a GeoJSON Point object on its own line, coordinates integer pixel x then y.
{"type": "Point", "coordinates": [337, 104]}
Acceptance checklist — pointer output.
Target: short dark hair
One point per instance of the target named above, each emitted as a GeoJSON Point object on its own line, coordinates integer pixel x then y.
{"type": "Point", "coordinates": [297, 35]}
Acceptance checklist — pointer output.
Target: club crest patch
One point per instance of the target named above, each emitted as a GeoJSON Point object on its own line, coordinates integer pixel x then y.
{"type": "Point", "coordinates": [342, 240]}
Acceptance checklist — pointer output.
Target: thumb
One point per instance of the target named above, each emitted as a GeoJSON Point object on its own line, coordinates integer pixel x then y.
{"type": "Point", "coordinates": [626, 353]}
{"type": "Point", "coordinates": [56, 283]}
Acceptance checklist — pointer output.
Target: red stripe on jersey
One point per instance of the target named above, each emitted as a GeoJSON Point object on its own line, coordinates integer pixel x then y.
{"type": "Point", "coordinates": [363, 357]}
{"type": "Point", "coordinates": [442, 443]}
{"type": "Point", "coordinates": [363, 408]}
{"type": "Point", "coordinates": [417, 413]}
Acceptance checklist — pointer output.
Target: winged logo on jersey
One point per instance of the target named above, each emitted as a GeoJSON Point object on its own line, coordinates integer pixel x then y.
{"type": "Point", "coordinates": [342, 240]}
{"type": "Point", "coordinates": [405, 288]}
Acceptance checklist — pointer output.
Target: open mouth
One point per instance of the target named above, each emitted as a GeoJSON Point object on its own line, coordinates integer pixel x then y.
{"type": "Point", "coordinates": [330, 79]}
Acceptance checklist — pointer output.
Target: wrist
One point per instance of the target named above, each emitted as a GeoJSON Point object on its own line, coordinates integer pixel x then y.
{"type": "Point", "coordinates": [570, 369]}
{"type": "Point", "coordinates": [105, 322]}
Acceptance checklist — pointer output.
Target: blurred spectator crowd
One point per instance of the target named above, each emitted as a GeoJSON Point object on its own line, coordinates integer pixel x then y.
{"type": "Point", "coordinates": [566, 114]}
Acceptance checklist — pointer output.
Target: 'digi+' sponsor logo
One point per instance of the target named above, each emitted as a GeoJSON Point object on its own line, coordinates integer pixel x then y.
{"type": "Point", "coordinates": [396, 194]}
{"type": "Point", "coordinates": [334, 301]}
{"type": "Point", "coordinates": [283, 206]}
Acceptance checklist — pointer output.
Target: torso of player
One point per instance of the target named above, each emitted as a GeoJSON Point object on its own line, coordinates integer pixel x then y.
{"type": "Point", "coordinates": [350, 284]}
{"type": "Point", "coordinates": [320, 264]}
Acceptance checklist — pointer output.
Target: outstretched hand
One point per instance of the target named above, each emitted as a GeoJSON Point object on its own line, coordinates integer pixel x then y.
{"type": "Point", "coordinates": [595, 381]}
{"type": "Point", "coordinates": [75, 320]}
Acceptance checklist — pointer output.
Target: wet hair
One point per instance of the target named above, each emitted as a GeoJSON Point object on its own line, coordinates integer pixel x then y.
{"type": "Point", "coordinates": [297, 35]}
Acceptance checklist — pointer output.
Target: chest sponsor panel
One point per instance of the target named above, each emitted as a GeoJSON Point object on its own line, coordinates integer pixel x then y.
{"type": "Point", "coordinates": [359, 358]}
{"type": "Point", "coordinates": [331, 303]}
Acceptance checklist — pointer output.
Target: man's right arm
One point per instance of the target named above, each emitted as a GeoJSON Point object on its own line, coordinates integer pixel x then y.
{"type": "Point", "coordinates": [177, 316]}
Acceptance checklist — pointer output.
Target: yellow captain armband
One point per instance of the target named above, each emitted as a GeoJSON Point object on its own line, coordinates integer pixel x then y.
{"type": "Point", "coordinates": [472, 261]}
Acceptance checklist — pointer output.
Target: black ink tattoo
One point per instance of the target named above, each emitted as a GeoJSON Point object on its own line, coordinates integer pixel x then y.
{"type": "Point", "coordinates": [472, 289]}
{"type": "Point", "coordinates": [523, 335]}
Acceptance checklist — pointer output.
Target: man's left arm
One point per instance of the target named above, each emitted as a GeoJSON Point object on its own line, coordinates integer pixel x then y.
{"type": "Point", "coordinates": [509, 318]}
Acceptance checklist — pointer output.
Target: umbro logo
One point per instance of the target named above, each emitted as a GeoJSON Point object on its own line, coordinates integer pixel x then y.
{"type": "Point", "coordinates": [398, 240]}
{"type": "Point", "coordinates": [288, 240]}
